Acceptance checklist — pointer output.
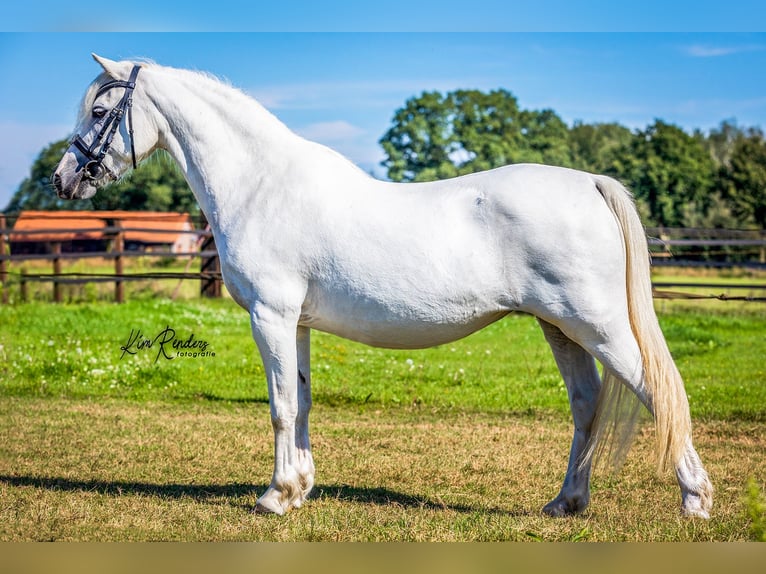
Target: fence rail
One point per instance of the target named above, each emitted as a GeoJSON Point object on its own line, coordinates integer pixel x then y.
{"type": "Point", "coordinates": [721, 248]}
{"type": "Point", "coordinates": [107, 255]}
{"type": "Point", "coordinates": [674, 247]}
{"type": "Point", "coordinates": [54, 237]}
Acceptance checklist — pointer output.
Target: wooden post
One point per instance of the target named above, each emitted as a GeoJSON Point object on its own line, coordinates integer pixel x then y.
{"type": "Point", "coordinates": [118, 246]}
{"type": "Point", "coordinates": [23, 286]}
{"type": "Point", "coordinates": [3, 262]}
{"type": "Point", "coordinates": [56, 249]}
{"type": "Point", "coordinates": [209, 287]}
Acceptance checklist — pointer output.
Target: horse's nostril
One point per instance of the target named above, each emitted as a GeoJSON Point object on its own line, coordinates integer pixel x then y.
{"type": "Point", "coordinates": [56, 181]}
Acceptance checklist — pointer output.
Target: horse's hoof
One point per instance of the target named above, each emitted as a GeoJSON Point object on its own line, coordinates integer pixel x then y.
{"type": "Point", "coordinates": [561, 507]}
{"type": "Point", "coordinates": [556, 510]}
{"type": "Point", "coordinates": [696, 514]}
{"type": "Point", "coordinates": [696, 507]}
{"type": "Point", "coordinates": [269, 503]}
{"type": "Point", "coordinates": [263, 509]}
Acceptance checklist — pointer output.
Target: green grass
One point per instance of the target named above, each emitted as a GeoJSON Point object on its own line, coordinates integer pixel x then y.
{"type": "Point", "coordinates": [74, 350]}
{"type": "Point", "coordinates": [465, 441]}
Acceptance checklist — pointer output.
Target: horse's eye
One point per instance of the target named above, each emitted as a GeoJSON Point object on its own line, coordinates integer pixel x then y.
{"type": "Point", "coordinates": [99, 112]}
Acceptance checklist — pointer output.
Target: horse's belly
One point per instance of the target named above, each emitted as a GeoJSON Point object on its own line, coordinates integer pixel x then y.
{"type": "Point", "coordinates": [401, 325]}
{"type": "Point", "coordinates": [403, 336]}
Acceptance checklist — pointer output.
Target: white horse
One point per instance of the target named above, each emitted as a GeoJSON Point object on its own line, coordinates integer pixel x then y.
{"type": "Point", "coordinates": [309, 241]}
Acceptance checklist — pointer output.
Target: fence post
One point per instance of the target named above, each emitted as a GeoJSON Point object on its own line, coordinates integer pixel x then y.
{"type": "Point", "coordinates": [24, 294]}
{"type": "Point", "coordinates": [3, 261]}
{"type": "Point", "coordinates": [56, 249]}
{"type": "Point", "coordinates": [209, 286]}
{"type": "Point", "coordinates": [118, 246]}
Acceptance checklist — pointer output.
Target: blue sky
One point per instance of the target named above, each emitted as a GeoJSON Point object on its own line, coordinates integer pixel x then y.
{"type": "Point", "coordinates": [392, 15]}
{"type": "Point", "coordinates": [342, 88]}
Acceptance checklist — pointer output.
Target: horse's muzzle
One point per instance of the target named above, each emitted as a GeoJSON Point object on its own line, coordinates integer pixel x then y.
{"type": "Point", "coordinates": [76, 187]}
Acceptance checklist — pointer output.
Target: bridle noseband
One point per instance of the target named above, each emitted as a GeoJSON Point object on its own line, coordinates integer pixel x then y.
{"type": "Point", "coordinates": [95, 168]}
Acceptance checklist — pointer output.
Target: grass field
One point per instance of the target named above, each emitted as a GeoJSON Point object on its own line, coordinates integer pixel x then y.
{"type": "Point", "coordinates": [462, 442]}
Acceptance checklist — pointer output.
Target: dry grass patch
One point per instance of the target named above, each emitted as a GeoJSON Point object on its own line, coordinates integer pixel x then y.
{"type": "Point", "coordinates": [120, 470]}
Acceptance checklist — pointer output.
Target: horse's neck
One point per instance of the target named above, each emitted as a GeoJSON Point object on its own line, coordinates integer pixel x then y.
{"type": "Point", "coordinates": [228, 146]}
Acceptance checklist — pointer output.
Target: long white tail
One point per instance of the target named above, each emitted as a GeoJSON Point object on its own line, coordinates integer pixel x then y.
{"type": "Point", "coordinates": [663, 382]}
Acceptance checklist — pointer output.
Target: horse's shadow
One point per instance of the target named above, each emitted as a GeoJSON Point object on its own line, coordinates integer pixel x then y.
{"type": "Point", "coordinates": [242, 494]}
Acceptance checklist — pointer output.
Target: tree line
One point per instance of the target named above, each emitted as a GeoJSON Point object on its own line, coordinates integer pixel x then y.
{"type": "Point", "coordinates": [679, 179]}
{"type": "Point", "coordinates": [156, 185]}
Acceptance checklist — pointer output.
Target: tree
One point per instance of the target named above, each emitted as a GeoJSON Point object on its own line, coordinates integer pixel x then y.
{"type": "Point", "coordinates": [435, 136]}
{"type": "Point", "coordinates": [720, 141]}
{"type": "Point", "coordinates": [486, 129]}
{"type": "Point", "coordinates": [744, 178]}
{"type": "Point", "coordinates": [36, 191]}
{"type": "Point", "coordinates": [546, 138]}
{"type": "Point", "coordinates": [421, 139]}
{"type": "Point", "coordinates": [593, 146]}
{"type": "Point", "coordinates": [156, 185]}
{"type": "Point", "coordinates": [667, 169]}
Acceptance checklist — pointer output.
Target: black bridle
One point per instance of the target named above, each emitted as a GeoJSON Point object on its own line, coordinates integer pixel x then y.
{"type": "Point", "coordinates": [95, 168]}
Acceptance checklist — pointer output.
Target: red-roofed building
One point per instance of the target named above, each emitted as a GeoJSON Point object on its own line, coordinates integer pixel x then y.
{"type": "Point", "coordinates": [86, 231]}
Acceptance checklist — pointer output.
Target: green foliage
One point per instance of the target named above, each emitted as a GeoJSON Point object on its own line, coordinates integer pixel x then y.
{"type": "Point", "coordinates": [678, 179]}
{"type": "Point", "coordinates": [667, 169]}
{"type": "Point", "coordinates": [594, 146]}
{"type": "Point", "coordinates": [156, 185]}
{"type": "Point", "coordinates": [36, 191]}
{"type": "Point", "coordinates": [423, 142]}
{"type": "Point", "coordinates": [755, 505]}
{"type": "Point", "coordinates": [744, 177]}
{"type": "Point", "coordinates": [486, 128]}
{"type": "Point", "coordinates": [436, 136]}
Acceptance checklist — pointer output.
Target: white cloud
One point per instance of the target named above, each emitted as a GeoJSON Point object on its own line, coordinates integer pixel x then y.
{"type": "Point", "coordinates": [389, 95]}
{"type": "Point", "coordinates": [324, 95]}
{"type": "Point", "coordinates": [332, 131]}
{"type": "Point", "coordinates": [349, 140]}
{"type": "Point", "coordinates": [700, 51]}
{"type": "Point", "coordinates": [19, 147]}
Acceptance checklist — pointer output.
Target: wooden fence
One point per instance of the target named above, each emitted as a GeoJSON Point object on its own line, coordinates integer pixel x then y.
{"type": "Point", "coordinates": [685, 247]}
{"type": "Point", "coordinates": [209, 274]}
{"type": "Point", "coordinates": [675, 247]}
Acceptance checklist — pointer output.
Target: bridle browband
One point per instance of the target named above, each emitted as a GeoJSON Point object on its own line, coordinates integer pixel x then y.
{"type": "Point", "coordinates": [95, 168]}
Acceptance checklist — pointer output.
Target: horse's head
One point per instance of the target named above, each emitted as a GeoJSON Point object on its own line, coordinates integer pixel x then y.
{"type": "Point", "coordinates": [113, 132]}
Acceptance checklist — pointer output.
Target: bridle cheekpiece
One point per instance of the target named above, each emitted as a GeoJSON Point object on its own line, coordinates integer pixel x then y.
{"type": "Point", "coordinates": [95, 167]}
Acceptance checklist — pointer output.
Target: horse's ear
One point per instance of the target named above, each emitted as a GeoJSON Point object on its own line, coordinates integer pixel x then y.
{"type": "Point", "coordinates": [117, 70]}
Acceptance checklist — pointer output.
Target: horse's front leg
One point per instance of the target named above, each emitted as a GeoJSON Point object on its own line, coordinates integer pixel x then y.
{"type": "Point", "coordinates": [284, 347]}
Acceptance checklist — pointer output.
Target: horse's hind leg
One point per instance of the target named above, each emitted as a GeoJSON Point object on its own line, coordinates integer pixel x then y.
{"type": "Point", "coordinates": [615, 346]}
{"type": "Point", "coordinates": [696, 489]}
{"type": "Point", "coordinates": [305, 460]}
{"type": "Point", "coordinates": [580, 374]}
